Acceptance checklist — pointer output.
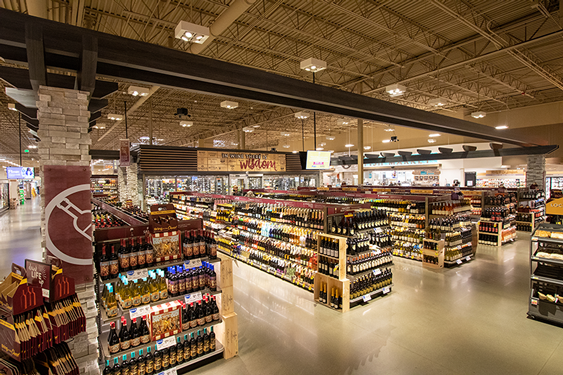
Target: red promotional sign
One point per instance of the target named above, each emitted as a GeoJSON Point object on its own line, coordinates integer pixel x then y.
{"type": "Point", "coordinates": [68, 219]}
{"type": "Point", "coordinates": [124, 153]}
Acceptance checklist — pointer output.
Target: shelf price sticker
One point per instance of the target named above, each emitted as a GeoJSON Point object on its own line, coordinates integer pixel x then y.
{"type": "Point", "coordinates": [459, 261]}
{"type": "Point", "coordinates": [139, 311]}
{"type": "Point", "coordinates": [171, 371]}
{"type": "Point", "coordinates": [468, 258]}
{"type": "Point", "coordinates": [166, 343]}
{"type": "Point", "coordinates": [377, 271]}
{"type": "Point", "coordinates": [534, 302]}
{"type": "Point", "coordinates": [192, 263]}
{"type": "Point", "coordinates": [138, 274]}
{"type": "Point", "coordinates": [193, 297]}
{"type": "Point", "coordinates": [45, 293]}
{"type": "Point", "coordinates": [386, 290]}
{"type": "Point", "coordinates": [378, 230]}
{"type": "Point", "coordinates": [366, 298]}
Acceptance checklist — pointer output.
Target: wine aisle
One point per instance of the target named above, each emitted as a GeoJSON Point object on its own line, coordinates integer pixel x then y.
{"type": "Point", "coordinates": [424, 327]}
{"type": "Point", "coordinates": [20, 235]}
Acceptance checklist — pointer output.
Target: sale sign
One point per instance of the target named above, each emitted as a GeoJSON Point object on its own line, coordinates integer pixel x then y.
{"type": "Point", "coordinates": [68, 219]}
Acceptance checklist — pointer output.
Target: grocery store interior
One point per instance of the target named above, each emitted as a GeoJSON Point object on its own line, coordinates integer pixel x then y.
{"type": "Point", "coordinates": [271, 186]}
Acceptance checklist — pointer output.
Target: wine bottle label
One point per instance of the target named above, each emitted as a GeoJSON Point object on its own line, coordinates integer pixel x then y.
{"type": "Point", "coordinates": [114, 267]}
{"type": "Point", "coordinates": [114, 348]}
{"type": "Point", "coordinates": [125, 345]}
{"type": "Point", "coordinates": [212, 345]}
{"type": "Point", "coordinates": [136, 341]}
{"type": "Point", "coordinates": [142, 368]}
{"type": "Point", "coordinates": [146, 299]}
{"type": "Point", "coordinates": [104, 269]}
{"type": "Point", "coordinates": [133, 260]}
{"type": "Point", "coordinates": [133, 370]}
{"type": "Point", "coordinates": [136, 301]}
{"type": "Point", "coordinates": [125, 371]}
{"type": "Point", "coordinates": [216, 316]}
{"type": "Point", "coordinates": [141, 259]}
{"type": "Point", "coordinates": [164, 294]}
{"type": "Point", "coordinates": [193, 323]}
{"type": "Point", "coordinates": [150, 366]}
{"type": "Point", "coordinates": [208, 318]}
{"type": "Point", "coordinates": [149, 257]}
{"type": "Point", "coordinates": [188, 284]}
{"type": "Point", "coordinates": [205, 347]}
{"type": "Point", "coordinates": [212, 283]}
{"type": "Point", "coordinates": [124, 261]}
{"type": "Point", "coordinates": [145, 339]}
{"type": "Point", "coordinates": [155, 296]}
{"type": "Point", "coordinates": [111, 312]}
{"type": "Point", "coordinates": [187, 354]}
{"type": "Point", "coordinates": [199, 348]}
{"type": "Point", "coordinates": [182, 286]}
{"type": "Point", "coordinates": [193, 351]}
{"type": "Point", "coordinates": [126, 303]}
{"type": "Point", "coordinates": [172, 359]}
{"type": "Point", "coordinates": [200, 321]}
{"type": "Point", "coordinates": [157, 364]}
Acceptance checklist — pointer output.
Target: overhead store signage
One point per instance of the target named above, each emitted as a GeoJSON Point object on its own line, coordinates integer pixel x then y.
{"type": "Point", "coordinates": [418, 191]}
{"type": "Point", "coordinates": [19, 173]}
{"type": "Point", "coordinates": [555, 207]}
{"type": "Point", "coordinates": [217, 161]}
{"type": "Point", "coordinates": [124, 153]}
{"type": "Point", "coordinates": [414, 163]}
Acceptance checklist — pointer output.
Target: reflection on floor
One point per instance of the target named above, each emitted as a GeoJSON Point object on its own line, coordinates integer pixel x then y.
{"type": "Point", "coordinates": [20, 235]}
{"type": "Point", "coordinates": [465, 320]}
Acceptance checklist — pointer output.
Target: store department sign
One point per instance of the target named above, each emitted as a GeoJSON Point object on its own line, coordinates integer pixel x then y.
{"type": "Point", "coordinates": [218, 161]}
{"type": "Point", "coordinates": [68, 219]}
{"type": "Point", "coordinates": [124, 153]}
{"type": "Point", "coordinates": [413, 163]}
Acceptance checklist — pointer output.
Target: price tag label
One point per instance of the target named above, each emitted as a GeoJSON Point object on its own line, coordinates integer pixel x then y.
{"type": "Point", "coordinates": [140, 311]}
{"type": "Point", "coordinates": [534, 302]}
{"type": "Point", "coordinates": [138, 274]}
{"type": "Point", "coordinates": [468, 258]}
{"type": "Point", "coordinates": [171, 371]}
{"type": "Point", "coordinates": [192, 263]}
{"type": "Point", "coordinates": [459, 247]}
{"type": "Point", "coordinates": [366, 298]}
{"type": "Point", "coordinates": [458, 261]}
{"type": "Point", "coordinates": [386, 290]}
{"type": "Point", "coordinates": [166, 343]}
{"type": "Point", "coordinates": [378, 230]}
{"type": "Point", "coordinates": [45, 293]}
{"type": "Point", "coordinates": [377, 271]}
{"type": "Point", "coordinates": [193, 297]}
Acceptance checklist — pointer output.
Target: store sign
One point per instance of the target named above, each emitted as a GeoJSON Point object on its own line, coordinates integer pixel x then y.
{"type": "Point", "coordinates": [418, 191]}
{"type": "Point", "coordinates": [555, 207]}
{"type": "Point", "coordinates": [413, 163]}
{"type": "Point", "coordinates": [68, 219]}
{"type": "Point", "coordinates": [124, 153]}
{"type": "Point", "coordinates": [217, 161]}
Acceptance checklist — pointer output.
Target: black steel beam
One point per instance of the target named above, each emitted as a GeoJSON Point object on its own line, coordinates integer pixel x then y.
{"type": "Point", "coordinates": [515, 151]}
{"type": "Point", "coordinates": [152, 64]}
{"type": "Point", "coordinates": [104, 154]}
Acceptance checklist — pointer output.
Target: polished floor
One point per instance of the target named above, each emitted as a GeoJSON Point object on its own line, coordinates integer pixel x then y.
{"type": "Point", "coordinates": [466, 320]}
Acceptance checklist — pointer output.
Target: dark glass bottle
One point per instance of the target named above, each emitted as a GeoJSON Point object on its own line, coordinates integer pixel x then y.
{"type": "Point", "coordinates": [124, 338]}
{"type": "Point", "coordinates": [113, 340]}
{"type": "Point", "coordinates": [144, 331]}
{"type": "Point", "coordinates": [149, 362]}
{"type": "Point", "coordinates": [211, 340]}
{"type": "Point", "coordinates": [205, 341]}
{"type": "Point", "coordinates": [179, 352]}
{"type": "Point", "coordinates": [157, 360]}
{"type": "Point", "coordinates": [187, 349]}
{"type": "Point", "coordinates": [193, 346]}
{"type": "Point", "coordinates": [125, 366]}
{"type": "Point", "coordinates": [134, 334]}
{"type": "Point", "coordinates": [141, 365]}
{"type": "Point", "coordinates": [199, 344]}
{"type": "Point", "coordinates": [133, 368]}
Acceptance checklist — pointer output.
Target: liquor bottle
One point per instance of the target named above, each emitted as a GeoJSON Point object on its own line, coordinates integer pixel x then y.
{"type": "Point", "coordinates": [124, 365]}
{"type": "Point", "coordinates": [133, 255]}
{"type": "Point", "coordinates": [212, 278]}
{"type": "Point", "coordinates": [199, 344]}
{"type": "Point", "coordinates": [192, 316]}
{"type": "Point", "coordinates": [104, 264]}
{"type": "Point", "coordinates": [179, 352]}
{"type": "Point", "coordinates": [141, 365]}
{"type": "Point", "coordinates": [124, 335]}
{"type": "Point", "coordinates": [211, 340]}
{"type": "Point", "coordinates": [149, 361]}
{"type": "Point", "coordinates": [187, 350]}
{"type": "Point", "coordinates": [144, 331]}
{"type": "Point", "coordinates": [200, 313]}
{"type": "Point", "coordinates": [133, 368]}
{"type": "Point", "coordinates": [186, 246]}
{"type": "Point", "coordinates": [134, 335]}
{"type": "Point", "coordinates": [208, 310]}
{"type": "Point", "coordinates": [205, 341]}
{"type": "Point", "coordinates": [157, 360]}
{"type": "Point", "coordinates": [113, 264]}
{"type": "Point", "coordinates": [193, 346]}
{"type": "Point", "coordinates": [113, 340]}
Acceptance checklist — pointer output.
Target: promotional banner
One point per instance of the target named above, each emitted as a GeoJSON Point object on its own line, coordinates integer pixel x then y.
{"type": "Point", "coordinates": [124, 153]}
{"type": "Point", "coordinates": [217, 161]}
{"type": "Point", "coordinates": [68, 219]}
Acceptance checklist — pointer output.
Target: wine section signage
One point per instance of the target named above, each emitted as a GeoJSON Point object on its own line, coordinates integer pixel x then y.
{"type": "Point", "coordinates": [218, 161]}
{"type": "Point", "coordinates": [68, 219]}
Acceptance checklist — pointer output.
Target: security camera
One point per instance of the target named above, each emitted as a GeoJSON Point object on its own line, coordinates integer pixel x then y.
{"type": "Point", "coordinates": [180, 112]}
{"type": "Point", "coordinates": [394, 139]}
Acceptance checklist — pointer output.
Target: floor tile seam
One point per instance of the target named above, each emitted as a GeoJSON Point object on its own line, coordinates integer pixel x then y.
{"type": "Point", "coordinates": [550, 356]}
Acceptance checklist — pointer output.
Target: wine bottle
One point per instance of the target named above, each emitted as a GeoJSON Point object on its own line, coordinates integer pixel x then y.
{"type": "Point", "coordinates": [113, 264]}
{"type": "Point", "coordinates": [124, 365]}
{"type": "Point", "coordinates": [187, 350]}
{"type": "Point", "coordinates": [211, 340]}
{"type": "Point", "coordinates": [157, 360]}
{"type": "Point", "coordinates": [149, 362]}
{"type": "Point", "coordinates": [141, 365]}
{"type": "Point", "coordinates": [205, 341]}
{"type": "Point", "coordinates": [133, 255]}
{"type": "Point", "coordinates": [179, 352]}
{"type": "Point", "coordinates": [133, 365]}
{"type": "Point", "coordinates": [193, 346]}
{"type": "Point", "coordinates": [116, 369]}
{"type": "Point", "coordinates": [104, 264]}
{"type": "Point", "coordinates": [113, 340]}
{"type": "Point", "coordinates": [124, 338]}
{"type": "Point", "coordinates": [134, 335]}
{"type": "Point", "coordinates": [199, 344]}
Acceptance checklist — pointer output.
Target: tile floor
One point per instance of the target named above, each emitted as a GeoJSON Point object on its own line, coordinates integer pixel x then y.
{"type": "Point", "coordinates": [465, 320]}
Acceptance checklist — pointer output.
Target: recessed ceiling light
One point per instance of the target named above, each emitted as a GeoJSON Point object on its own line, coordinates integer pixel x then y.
{"type": "Point", "coordinates": [32, 146]}
{"type": "Point", "coordinates": [186, 124]}
{"type": "Point", "coordinates": [386, 141]}
{"type": "Point", "coordinates": [501, 127]}
{"type": "Point", "coordinates": [434, 135]}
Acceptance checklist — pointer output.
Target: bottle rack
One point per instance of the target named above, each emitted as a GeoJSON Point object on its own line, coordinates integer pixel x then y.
{"type": "Point", "coordinates": [341, 282]}
{"type": "Point", "coordinates": [531, 209]}
{"type": "Point", "coordinates": [501, 237]}
{"type": "Point", "coordinates": [546, 273]}
{"type": "Point", "coordinates": [226, 328]}
{"type": "Point", "coordinates": [433, 253]}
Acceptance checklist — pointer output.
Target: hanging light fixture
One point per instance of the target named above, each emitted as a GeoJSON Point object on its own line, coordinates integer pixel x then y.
{"type": "Point", "coordinates": [186, 124]}
{"type": "Point", "coordinates": [229, 104]}
{"type": "Point", "coordinates": [395, 90]}
{"type": "Point", "coordinates": [479, 114]}
{"type": "Point", "coordinates": [190, 32]}
{"type": "Point", "coordinates": [301, 115]}
{"type": "Point", "coordinates": [313, 65]}
{"type": "Point", "coordinates": [437, 102]}
{"type": "Point", "coordinates": [115, 117]}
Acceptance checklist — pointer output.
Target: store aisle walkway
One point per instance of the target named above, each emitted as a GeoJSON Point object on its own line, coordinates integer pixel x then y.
{"type": "Point", "coordinates": [465, 320]}
{"type": "Point", "coordinates": [20, 235]}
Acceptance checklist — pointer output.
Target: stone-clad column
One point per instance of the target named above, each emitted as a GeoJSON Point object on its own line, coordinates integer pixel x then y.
{"type": "Point", "coordinates": [63, 128]}
{"type": "Point", "coordinates": [535, 171]}
{"type": "Point", "coordinates": [132, 184]}
{"type": "Point", "coordinates": [122, 183]}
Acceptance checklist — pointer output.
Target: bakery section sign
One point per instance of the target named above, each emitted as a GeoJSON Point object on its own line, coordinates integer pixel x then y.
{"type": "Point", "coordinates": [219, 161]}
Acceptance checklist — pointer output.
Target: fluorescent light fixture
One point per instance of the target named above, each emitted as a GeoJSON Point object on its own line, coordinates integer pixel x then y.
{"type": "Point", "coordinates": [430, 140]}
{"type": "Point", "coordinates": [247, 130]}
{"type": "Point", "coordinates": [32, 146]}
{"type": "Point", "coordinates": [12, 106]}
{"type": "Point", "coordinates": [228, 104]}
{"type": "Point", "coordinates": [395, 90]}
{"type": "Point", "coordinates": [138, 91]}
{"type": "Point", "coordinates": [101, 127]}
{"type": "Point", "coordinates": [313, 65]}
{"type": "Point", "coordinates": [501, 127]}
{"type": "Point", "coordinates": [479, 114]}
{"type": "Point", "coordinates": [367, 147]}
{"type": "Point", "coordinates": [286, 146]}
{"type": "Point", "coordinates": [320, 148]}
{"type": "Point", "coordinates": [295, 152]}
{"type": "Point", "coordinates": [144, 138]}
{"type": "Point", "coordinates": [186, 124]}
{"type": "Point", "coordinates": [341, 122]}
{"type": "Point", "coordinates": [434, 135]}
{"type": "Point", "coordinates": [330, 138]}
{"type": "Point", "coordinates": [285, 134]}
{"type": "Point", "coordinates": [389, 129]}
{"type": "Point", "coordinates": [438, 102]}
{"type": "Point", "coordinates": [115, 117]}
{"type": "Point", "coordinates": [386, 141]}
{"type": "Point", "coordinates": [301, 115]}
{"type": "Point", "coordinates": [349, 145]}
{"type": "Point", "coordinates": [190, 32]}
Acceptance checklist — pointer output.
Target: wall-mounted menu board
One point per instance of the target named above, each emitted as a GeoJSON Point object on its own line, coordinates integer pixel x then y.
{"type": "Point", "coordinates": [218, 161]}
